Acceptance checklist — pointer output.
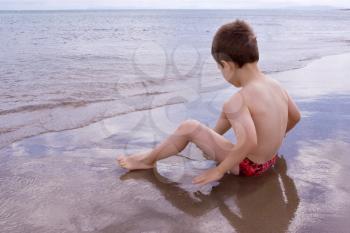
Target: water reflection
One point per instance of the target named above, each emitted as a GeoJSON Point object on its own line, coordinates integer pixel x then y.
{"type": "Point", "coordinates": [259, 204]}
{"type": "Point", "coordinates": [327, 76]}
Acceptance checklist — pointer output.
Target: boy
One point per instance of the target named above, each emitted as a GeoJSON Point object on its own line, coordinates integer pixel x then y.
{"type": "Point", "coordinates": [260, 114]}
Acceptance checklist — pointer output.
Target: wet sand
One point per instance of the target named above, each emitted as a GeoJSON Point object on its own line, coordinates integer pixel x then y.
{"type": "Point", "coordinates": [68, 181]}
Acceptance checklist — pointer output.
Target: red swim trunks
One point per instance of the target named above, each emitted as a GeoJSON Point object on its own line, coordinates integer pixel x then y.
{"type": "Point", "coordinates": [250, 168]}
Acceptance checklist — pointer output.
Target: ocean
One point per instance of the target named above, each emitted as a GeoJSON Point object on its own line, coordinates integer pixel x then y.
{"type": "Point", "coordinates": [63, 70]}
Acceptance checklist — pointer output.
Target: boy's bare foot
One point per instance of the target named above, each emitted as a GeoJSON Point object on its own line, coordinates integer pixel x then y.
{"type": "Point", "coordinates": [134, 162]}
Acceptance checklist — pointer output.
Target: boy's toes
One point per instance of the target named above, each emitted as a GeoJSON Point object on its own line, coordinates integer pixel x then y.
{"type": "Point", "coordinates": [121, 164]}
{"type": "Point", "coordinates": [121, 161]}
{"type": "Point", "coordinates": [120, 158]}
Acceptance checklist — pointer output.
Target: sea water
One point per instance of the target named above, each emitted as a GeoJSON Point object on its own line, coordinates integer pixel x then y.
{"type": "Point", "coordinates": [61, 70]}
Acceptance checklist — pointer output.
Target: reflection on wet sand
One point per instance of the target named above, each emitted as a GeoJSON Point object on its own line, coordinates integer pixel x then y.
{"type": "Point", "coordinates": [68, 182]}
{"type": "Point", "coordinates": [249, 204]}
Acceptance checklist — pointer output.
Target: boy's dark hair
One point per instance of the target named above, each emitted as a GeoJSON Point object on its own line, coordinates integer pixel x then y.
{"type": "Point", "coordinates": [235, 42]}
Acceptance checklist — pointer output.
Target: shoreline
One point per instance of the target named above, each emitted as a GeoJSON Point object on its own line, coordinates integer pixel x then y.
{"type": "Point", "coordinates": [99, 120]}
{"type": "Point", "coordinates": [68, 86]}
{"type": "Point", "coordinates": [198, 108]}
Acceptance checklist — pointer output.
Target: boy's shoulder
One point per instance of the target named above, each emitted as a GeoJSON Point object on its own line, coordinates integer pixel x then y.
{"type": "Point", "coordinates": [235, 102]}
{"type": "Point", "coordinates": [241, 97]}
{"type": "Point", "coordinates": [268, 86]}
{"type": "Point", "coordinates": [250, 95]}
{"type": "Point", "coordinates": [280, 87]}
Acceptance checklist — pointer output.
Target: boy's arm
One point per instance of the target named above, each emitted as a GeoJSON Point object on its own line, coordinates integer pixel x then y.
{"type": "Point", "coordinates": [244, 128]}
{"type": "Point", "coordinates": [242, 123]}
{"type": "Point", "coordinates": [293, 114]}
{"type": "Point", "coordinates": [222, 124]}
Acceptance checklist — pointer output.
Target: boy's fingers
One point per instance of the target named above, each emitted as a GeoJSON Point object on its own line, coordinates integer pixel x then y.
{"type": "Point", "coordinates": [201, 181]}
{"type": "Point", "coordinates": [198, 183]}
{"type": "Point", "coordinates": [197, 180]}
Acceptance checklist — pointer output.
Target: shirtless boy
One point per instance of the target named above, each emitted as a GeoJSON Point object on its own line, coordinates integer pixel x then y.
{"type": "Point", "coordinates": [260, 113]}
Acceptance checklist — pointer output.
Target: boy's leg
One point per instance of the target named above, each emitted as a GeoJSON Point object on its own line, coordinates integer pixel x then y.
{"type": "Point", "coordinates": [211, 143]}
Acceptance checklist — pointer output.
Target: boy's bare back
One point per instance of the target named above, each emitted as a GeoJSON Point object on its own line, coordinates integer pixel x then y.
{"type": "Point", "coordinates": [269, 106]}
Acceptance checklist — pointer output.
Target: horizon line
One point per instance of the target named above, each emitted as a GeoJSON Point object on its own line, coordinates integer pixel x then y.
{"type": "Point", "coordinates": [114, 9]}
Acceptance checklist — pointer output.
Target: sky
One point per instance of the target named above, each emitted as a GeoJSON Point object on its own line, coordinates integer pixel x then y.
{"type": "Point", "coordinates": [164, 4]}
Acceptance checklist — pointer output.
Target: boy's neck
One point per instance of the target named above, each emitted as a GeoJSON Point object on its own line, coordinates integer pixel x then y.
{"type": "Point", "coordinates": [248, 73]}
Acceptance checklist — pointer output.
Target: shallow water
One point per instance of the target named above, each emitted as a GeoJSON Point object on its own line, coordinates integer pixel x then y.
{"type": "Point", "coordinates": [68, 182]}
{"type": "Point", "coordinates": [64, 70]}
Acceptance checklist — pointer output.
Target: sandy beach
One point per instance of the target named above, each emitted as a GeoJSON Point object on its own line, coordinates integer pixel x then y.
{"type": "Point", "coordinates": [68, 181]}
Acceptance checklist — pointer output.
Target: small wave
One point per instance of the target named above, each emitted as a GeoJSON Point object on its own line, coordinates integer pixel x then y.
{"type": "Point", "coordinates": [7, 130]}
{"type": "Point", "coordinates": [151, 93]}
{"type": "Point", "coordinates": [40, 38]}
{"type": "Point", "coordinates": [94, 57]}
{"type": "Point", "coordinates": [51, 124]}
{"type": "Point", "coordinates": [32, 108]}
{"type": "Point", "coordinates": [102, 29]}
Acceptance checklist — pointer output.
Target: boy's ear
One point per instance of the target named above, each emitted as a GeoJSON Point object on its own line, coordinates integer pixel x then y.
{"type": "Point", "coordinates": [224, 63]}
{"type": "Point", "coordinates": [227, 64]}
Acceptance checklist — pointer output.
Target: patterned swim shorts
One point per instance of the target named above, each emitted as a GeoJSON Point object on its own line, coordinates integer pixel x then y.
{"type": "Point", "coordinates": [250, 168]}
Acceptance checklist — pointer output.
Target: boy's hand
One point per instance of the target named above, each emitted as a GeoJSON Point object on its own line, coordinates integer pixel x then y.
{"type": "Point", "coordinates": [212, 174]}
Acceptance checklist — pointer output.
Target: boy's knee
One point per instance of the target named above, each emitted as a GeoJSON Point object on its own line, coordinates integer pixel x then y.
{"type": "Point", "coordinates": [190, 123]}
{"type": "Point", "coordinates": [189, 127]}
